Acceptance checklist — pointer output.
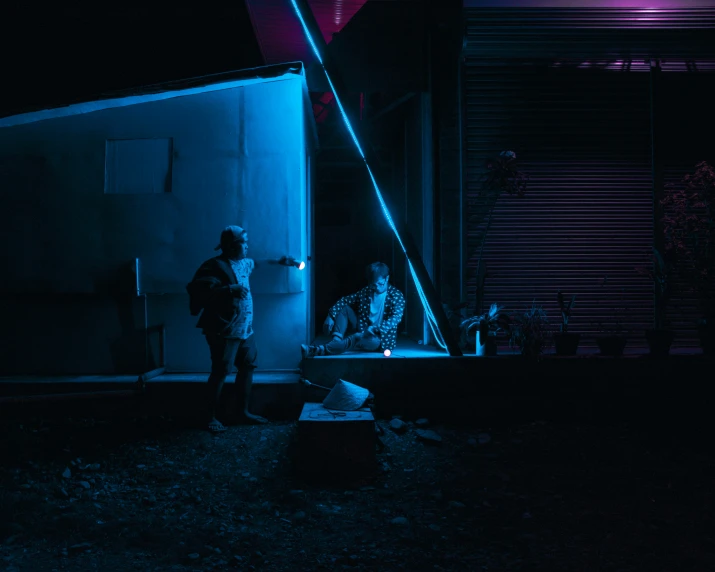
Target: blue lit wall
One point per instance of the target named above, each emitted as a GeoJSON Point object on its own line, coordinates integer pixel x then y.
{"type": "Point", "coordinates": [239, 156]}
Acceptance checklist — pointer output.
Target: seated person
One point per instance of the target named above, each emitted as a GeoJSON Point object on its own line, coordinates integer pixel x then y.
{"type": "Point", "coordinates": [364, 321]}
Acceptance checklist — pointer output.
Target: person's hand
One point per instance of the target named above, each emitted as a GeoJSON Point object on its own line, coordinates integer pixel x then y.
{"type": "Point", "coordinates": [287, 261]}
{"type": "Point", "coordinates": [238, 291]}
{"type": "Point", "coordinates": [328, 325]}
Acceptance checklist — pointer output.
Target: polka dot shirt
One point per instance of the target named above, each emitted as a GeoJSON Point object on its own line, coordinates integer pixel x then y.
{"type": "Point", "coordinates": [392, 316]}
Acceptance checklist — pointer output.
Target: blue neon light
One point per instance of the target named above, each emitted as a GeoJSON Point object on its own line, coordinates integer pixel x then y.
{"type": "Point", "coordinates": [431, 320]}
{"type": "Point", "coordinates": [307, 33]}
{"type": "Point", "coordinates": [345, 117]}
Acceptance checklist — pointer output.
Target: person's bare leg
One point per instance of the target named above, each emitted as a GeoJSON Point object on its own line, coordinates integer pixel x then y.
{"type": "Point", "coordinates": [244, 384]}
{"type": "Point", "coordinates": [215, 385]}
{"type": "Point", "coordinates": [223, 353]}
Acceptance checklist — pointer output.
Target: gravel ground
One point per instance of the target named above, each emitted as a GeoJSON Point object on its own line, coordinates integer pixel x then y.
{"type": "Point", "coordinates": [155, 494]}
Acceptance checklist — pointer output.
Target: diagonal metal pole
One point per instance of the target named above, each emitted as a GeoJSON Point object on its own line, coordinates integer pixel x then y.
{"type": "Point", "coordinates": [371, 158]}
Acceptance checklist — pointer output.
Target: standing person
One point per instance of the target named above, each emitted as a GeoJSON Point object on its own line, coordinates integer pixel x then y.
{"type": "Point", "coordinates": [364, 321]}
{"type": "Point", "coordinates": [221, 293]}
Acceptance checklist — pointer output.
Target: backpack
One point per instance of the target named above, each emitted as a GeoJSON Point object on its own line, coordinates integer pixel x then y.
{"type": "Point", "coordinates": [195, 306]}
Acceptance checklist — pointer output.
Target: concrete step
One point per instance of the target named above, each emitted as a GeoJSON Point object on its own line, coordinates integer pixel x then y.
{"type": "Point", "coordinates": [171, 377]}
{"type": "Point", "coordinates": [277, 394]}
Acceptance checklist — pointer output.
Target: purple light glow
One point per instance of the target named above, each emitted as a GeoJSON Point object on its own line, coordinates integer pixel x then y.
{"type": "Point", "coordinates": [645, 5]}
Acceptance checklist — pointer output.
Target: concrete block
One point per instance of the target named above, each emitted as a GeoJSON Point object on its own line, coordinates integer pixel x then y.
{"type": "Point", "coordinates": [336, 443]}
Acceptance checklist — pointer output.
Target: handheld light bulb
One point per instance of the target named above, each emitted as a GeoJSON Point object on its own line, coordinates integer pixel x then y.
{"type": "Point", "coordinates": [290, 261]}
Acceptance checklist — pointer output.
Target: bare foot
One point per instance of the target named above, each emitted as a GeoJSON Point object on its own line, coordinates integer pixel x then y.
{"type": "Point", "coordinates": [247, 418]}
{"type": "Point", "coordinates": [215, 426]}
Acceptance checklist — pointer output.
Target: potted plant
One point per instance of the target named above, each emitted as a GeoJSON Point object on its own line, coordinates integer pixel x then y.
{"type": "Point", "coordinates": [486, 327]}
{"type": "Point", "coordinates": [613, 334]}
{"type": "Point", "coordinates": [689, 236]}
{"type": "Point", "coordinates": [501, 175]}
{"type": "Point", "coordinates": [660, 337]}
{"type": "Point", "coordinates": [529, 331]}
{"type": "Point", "coordinates": [456, 314]}
{"type": "Point", "coordinates": [613, 340]}
{"type": "Point", "coordinates": [565, 342]}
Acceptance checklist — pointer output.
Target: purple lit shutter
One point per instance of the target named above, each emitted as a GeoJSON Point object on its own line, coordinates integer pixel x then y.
{"type": "Point", "coordinates": [568, 91]}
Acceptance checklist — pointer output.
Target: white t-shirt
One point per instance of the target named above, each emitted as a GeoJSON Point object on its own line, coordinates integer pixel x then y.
{"type": "Point", "coordinates": [242, 326]}
{"type": "Point", "coordinates": [377, 308]}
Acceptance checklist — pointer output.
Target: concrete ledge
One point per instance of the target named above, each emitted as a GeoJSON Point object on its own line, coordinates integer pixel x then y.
{"type": "Point", "coordinates": [276, 394]}
{"type": "Point", "coordinates": [458, 389]}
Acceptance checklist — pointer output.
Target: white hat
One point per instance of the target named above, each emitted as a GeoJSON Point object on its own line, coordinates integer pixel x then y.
{"type": "Point", "coordinates": [346, 396]}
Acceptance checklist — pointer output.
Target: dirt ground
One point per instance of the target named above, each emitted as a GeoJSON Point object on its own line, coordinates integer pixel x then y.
{"type": "Point", "coordinates": [154, 494]}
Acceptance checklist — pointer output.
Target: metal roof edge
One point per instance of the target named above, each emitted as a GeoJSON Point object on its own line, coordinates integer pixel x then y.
{"type": "Point", "coordinates": [161, 91]}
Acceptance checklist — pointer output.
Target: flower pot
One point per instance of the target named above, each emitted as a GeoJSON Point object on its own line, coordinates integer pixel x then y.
{"type": "Point", "coordinates": [659, 341]}
{"type": "Point", "coordinates": [485, 343]}
{"type": "Point", "coordinates": [566, 344]}
{"type": "Point", "coordinates": [707, 338]}
{"type": "Point", "coordinates": [491, 345]}
{"type": "Point", "coordinates": [481, 348]}
{"type": "Point", "coordinates": [612, 346]}
{"type": "Point", "coordinates": [532, 348]}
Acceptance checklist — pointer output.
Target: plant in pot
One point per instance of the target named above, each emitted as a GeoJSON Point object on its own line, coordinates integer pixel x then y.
{"type": "Point", "coordinates": [501, 175]}
{"type": "Point", "coordinates": [565, 342]}
{"type": "Point", "coordinates": [529, 331]}
{"type": "Point", "coordinates": [613, 334]}
{"type": "Point", "coordinates": [486, 327]}
{"type": "Point", "coordinates": [688, 221]}
{"type": "Point", "coordinates": [456, 314]}
{"type": "Point", "coordinates": [612, 340]}
{"type": "Point", "coordinates": [660, 337]}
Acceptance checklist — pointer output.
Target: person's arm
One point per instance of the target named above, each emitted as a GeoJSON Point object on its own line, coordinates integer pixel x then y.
{"type": "Point", "coordinates": [283, 261]}
{"type": "Point", "coordinates": [207, 287]}
{"type": "Point", "coordinates": [349, 300]}
{"type": "Point", "coordinates": [393, 316]}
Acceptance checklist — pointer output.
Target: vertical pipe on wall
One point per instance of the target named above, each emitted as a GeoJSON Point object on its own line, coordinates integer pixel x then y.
{"type": "Point", "coordinates": [462, 288]}
{"type": "Point", "coordinates": [145, 309]}
{"type": "Point", "coordinates": [137, 283]}
{"type": "Point", "coordinates": [429, 201]}
{"type": "Point", "coordinates": [434, 83]}
{"type": "Point", "coordinates": [146, 333]}
{"type": "Point", "coordinates": [657, 178]}
{"type": "Point", "coordinates": [136, 268]}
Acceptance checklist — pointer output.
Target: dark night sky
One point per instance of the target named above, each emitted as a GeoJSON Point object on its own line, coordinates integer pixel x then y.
{"type": "Point", "coordinates": [56, 55]}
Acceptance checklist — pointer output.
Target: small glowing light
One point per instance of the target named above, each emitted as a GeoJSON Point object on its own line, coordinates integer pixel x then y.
{"type": "Point", "coordinates": [301, 265]}
{"type": "Point", "coordinates": [387, 353]}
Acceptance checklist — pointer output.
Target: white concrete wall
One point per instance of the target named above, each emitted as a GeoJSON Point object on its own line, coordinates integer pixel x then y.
{"type": "Point", "coordinates": [239, 157]}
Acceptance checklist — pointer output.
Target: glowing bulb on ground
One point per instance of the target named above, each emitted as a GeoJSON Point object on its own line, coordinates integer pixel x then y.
{"type": "Point", "coordinates": [387, 353]}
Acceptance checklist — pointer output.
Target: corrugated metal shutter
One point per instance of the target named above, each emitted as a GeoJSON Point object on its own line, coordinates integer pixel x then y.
{"type": "Point", "coordinates": [568, 91]}
{"type": "Point", "coordinates": [573, 34]}
{"type": "Point", "coordinates": [585, 223]}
